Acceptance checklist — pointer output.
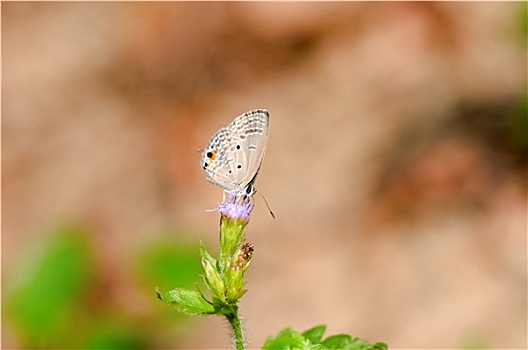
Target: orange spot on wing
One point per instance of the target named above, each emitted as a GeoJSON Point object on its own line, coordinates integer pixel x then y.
{"type": "Point", "coordinates": [211, 154]}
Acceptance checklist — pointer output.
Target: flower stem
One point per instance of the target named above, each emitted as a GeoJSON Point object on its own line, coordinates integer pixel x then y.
{"type": "Point", "coordinates": [238, 335]}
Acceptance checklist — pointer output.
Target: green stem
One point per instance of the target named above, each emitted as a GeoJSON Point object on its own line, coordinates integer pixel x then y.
{"type": "Point", "coordinates": [234, 321]}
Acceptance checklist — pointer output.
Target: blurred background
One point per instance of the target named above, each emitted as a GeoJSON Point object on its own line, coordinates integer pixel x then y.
{"type": "Point", "coordinates": [396, 167]}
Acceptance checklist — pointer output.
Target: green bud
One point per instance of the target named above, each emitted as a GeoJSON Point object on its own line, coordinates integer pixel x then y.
{"type": "Point", "coordinates": [205, 255]}
{"type": "Point", "coordinates": [214, 281]}
{"type": "Point", "coordinates": [234, 283]}
{"type": "Point", "coordinates": [231, 236]}
{"type": "Point", "coordinates": [234, 274]}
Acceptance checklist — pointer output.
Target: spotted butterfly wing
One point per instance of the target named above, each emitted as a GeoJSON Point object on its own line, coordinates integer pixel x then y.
{"type": "Point", "coordinates": [234, 153]}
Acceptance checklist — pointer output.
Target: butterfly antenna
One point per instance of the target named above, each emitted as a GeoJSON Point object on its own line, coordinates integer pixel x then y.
{"type": "Point", "coordinates": [267, 205]}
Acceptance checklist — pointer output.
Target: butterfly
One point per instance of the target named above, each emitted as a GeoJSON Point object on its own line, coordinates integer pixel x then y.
{"type": "Point", "coordinates": [234, 154]}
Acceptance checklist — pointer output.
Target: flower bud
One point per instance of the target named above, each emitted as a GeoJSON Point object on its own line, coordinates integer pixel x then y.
{"type": "Point", "coordinates": [214, 281]}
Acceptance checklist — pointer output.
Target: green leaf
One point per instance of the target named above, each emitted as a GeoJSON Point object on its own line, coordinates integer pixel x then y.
{"type": "Point", "coordinates": [346, 342]}
{"type": "Point", "coordinates": [311, 339]}
{"type": "Point", "coordinates": [53, 286]}
{"type": "Point", "coordinates": [315, 334]}
{"type": "Point", "coordinates": [167, 264]}
{"type": "Point", "coordinates": [358, 343]}
{"type": "Point", "coordinates": [339, 341]}
{"type": "Point", "coordinates": [380, 346]}
{"type": "Point", "coordinates": [116, 332]}
{"type": "Point", "coordinates": [288, 339]}
{"type": "Point", "coordinates": [190, 302]}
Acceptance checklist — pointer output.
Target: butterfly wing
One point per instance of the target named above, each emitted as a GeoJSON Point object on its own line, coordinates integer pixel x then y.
{"type": "Point", "coordinates": [233, 155]}
{"type": "Point", "coordinates": [216, 159]}
{"type": "Point", "coordinates": [251, 134]}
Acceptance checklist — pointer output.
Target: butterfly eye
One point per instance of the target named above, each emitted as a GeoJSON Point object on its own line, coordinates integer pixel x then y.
{"type": "Point", "coordinates": [249, 189]}
{"type": "Point", "coordinates": [211, 155]}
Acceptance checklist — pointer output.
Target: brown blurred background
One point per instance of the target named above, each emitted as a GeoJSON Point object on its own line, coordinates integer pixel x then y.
{"type": "Point", "coordinates": [396, 167]}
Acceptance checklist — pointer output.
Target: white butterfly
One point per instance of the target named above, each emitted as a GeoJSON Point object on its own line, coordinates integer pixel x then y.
{"type": "Point", "coordinates": [234, 153]}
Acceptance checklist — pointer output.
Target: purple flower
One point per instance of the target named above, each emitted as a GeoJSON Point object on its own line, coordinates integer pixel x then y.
{"type": "Point", "coordinates": [236, 207]}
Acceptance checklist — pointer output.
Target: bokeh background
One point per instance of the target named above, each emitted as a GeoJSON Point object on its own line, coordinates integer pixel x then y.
{"type": "Point", "coordinates": [396, 167]}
